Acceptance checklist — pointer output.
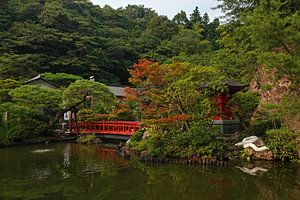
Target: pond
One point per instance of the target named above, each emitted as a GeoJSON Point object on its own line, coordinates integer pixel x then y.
{"type": "Point", "coordinates": [74, 171]}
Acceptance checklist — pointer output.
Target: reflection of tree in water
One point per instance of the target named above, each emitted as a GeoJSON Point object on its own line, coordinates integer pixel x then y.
{"type": "Point", "coordinates": [96, 173]}
{"type": "Point", "coordinates": [180, 182]}
{"type": "Point", "coordinates": [279, 182]}
{"type": "Point", "coordinates": [183, 182]}
{"type": "Point", "coordinates": [98, 159]}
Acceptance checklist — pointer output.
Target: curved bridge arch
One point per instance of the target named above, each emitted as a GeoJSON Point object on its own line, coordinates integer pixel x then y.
{"type": "Point", "coordinates": [125, 128]}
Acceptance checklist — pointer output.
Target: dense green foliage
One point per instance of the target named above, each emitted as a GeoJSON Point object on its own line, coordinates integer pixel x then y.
{"type": "Point", "coordinates": [263, 36]}
{"type": "Point", "coordinates": [177, 112]}
{"type": "Point", "coordinates": [282, 143]}
{"type": "Point", "coordinates": [68, 41]}
{"type": "Point", "coordinates": [96, 96]}
{"type": "Point", "coordinates": [199, 141]}
{"type": "Point", "coordinates": [30, 110]}
{"type": "Point", "coordinates": [35, 97]}
{"type": "Point", "coordinates": [19, 122]}
{"type": "Point", "coordinates": [243, 105]}
{"type": "Point", "coordinates": [77, 37]}
{"type": "Point", "coordinates": [260, 32]}
{"type": "Point", "coordinates": [6, 86]}
{"type": "Point", "coordinates": [60, 79]}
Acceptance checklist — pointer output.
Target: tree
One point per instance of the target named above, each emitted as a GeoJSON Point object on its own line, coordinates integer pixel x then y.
{"type": "Point", "coordinates": [181, 19]}
{"type": "Point", "coordinates": [213, 33]}
{"type": "Point", "coordinates": [19, 122]}
{"type": "Point", "coordinates": [176, 111]}
{"type": "Point", "coordinates": [6, 86]}
{"type": "Point", "coordinates": [76, 37]}
{"type": "Point", "coordinates": [161, 27]}
{"type": "Point", "coordinates": [88, 94]}
{"type": "Point", "coordinates": [195, 17]}
{"type": "Point", "coordinates": [30, 112]}
{"type": "Point", "coordinates": [235, 8]}
{"type": "Point", "coordinates": [61, 79]}
{"type": "Point", "coordinates": [267, 35]}
{"type": "Point", "coordinates": [188, 42]}
{"type": "Point", "coordinates": [42, 100]}
{"type": "Point", "coordinates": [169, 92]}
{"type": "Point", "coordinates": [205, 23]}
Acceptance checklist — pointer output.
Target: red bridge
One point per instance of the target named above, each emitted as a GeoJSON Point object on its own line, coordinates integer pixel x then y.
{"type": "Point", "coordinates": [117, 128]}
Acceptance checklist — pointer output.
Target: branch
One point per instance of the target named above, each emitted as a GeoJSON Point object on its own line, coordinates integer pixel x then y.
{"type": "Point", "coordinates": [284, 46]}
{"type": "Point", "coordinates": [73, 107]}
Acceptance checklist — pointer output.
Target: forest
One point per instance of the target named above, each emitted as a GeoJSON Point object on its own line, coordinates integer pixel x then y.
{"type": "Point", "coordinates": [68, 41]}
{"type": "Point", "coordinates": [77, 37]}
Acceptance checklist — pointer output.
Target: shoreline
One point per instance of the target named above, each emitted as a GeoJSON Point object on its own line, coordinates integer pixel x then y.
{"type": "Point", "coordinates": [40, 140]}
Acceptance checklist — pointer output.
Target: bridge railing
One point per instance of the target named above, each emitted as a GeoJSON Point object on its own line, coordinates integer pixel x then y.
{"type": "Point", "coordinates": [105, 127]}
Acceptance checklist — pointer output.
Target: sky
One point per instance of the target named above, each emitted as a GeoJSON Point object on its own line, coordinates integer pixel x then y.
{"type": "Point", "coordinates": [167, 7]}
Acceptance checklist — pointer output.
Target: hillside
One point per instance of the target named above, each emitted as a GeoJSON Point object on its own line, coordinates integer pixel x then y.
{"type": "Point", "coordinates": [77, 37]}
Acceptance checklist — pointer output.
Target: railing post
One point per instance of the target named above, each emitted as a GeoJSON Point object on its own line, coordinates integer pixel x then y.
{"type": "Point", "coordinates": [105, 127]}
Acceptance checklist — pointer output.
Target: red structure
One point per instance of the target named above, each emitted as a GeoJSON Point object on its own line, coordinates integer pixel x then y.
{"type": "Point", "coordinates": [222, 109]}
{"type": "Point", "coordinates": [220, 102]}
{"type": "Point", "coordinates": [126, 128]}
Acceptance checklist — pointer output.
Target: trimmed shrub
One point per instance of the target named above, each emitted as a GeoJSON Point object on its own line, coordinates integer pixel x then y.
{"type": "Point", "coordinates": [282, 143]}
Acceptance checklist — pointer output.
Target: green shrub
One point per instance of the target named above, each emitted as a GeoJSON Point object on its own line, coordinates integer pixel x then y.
{"type": "Point", "coordinates": [259, 127]}
{"type": "Point", "coordinates": [86, 139]}
{"type": "Point", "coordinates": [282, 143]}
{"type": "Point", "coordinates": [5, 136]}
{"type": "Point", "coordinates": [136, 141]}
{"type": "Point", "coordinates": [61, 79]}
{"type": "Point", "coordinates": [243, 105]}
{"type": "Point", "coordinates": [141, 146]}
{"type": "Point", "coordinates": [20, 122]}
{"type": "Point", "coordinates": [199, 141]}
{"type": "Point", "coordinates": [138, 136]}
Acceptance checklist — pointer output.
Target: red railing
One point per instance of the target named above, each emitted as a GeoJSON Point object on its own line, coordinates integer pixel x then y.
{"type": "Point", "coordinates": [105, 127]}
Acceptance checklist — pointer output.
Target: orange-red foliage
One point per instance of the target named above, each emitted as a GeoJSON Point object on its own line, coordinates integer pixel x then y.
{"type": "Point", "coordinates": [147, 72]}
{"type": "Point", "coordinates": [150, 79]}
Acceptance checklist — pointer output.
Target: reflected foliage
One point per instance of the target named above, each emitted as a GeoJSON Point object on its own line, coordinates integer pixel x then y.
{"type": "Point", "coordinates": [88, 175]}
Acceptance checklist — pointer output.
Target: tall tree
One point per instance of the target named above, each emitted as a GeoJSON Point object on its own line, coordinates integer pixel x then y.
{"type": "Point", "coordinates": [195, 17]}
{"type": "Point", "coordinates": [181, 19]}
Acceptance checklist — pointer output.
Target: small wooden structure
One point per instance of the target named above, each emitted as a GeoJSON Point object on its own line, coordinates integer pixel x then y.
{"type": "Point", "coordinates": [39, 81]}
{"type": "Point", "coordinates": [117, 90]}
{"type": "Point", "coordinates": [222, 115]}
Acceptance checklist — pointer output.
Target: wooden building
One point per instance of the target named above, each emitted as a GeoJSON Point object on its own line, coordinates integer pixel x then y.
{"type": "Point", "coordinates": [223, 116]}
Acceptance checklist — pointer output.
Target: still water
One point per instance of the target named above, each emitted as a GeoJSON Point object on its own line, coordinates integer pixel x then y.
{"type": "Point", "coordinates": [73, 171]}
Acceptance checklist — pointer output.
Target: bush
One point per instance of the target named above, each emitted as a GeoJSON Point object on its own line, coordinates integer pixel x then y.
{"type": "Point", "coordinates": [19, 122]}
{"type": "Point", "coordinates": [259, 127]}
{"type": "Point", "coordinates": [136, 141]}
{"type": "Point", "coordinates": [199, 141]}
{"type": "Point", "coordinates": [138, 136]}
{"type": "Point", "coordinates": [282, 143]}
{"type": "Point", "coordinates": [86, 139]}
{"type": "Point", "coordinates": [243, 105]}
{"type": "Point", "coordinates": [61, 79]}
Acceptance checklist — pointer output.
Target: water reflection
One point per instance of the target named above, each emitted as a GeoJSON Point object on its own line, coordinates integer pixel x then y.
{"type": "Point", "coordinates": [42, 150]}
{"type": "Point", "coordinates": [39, 174]}
{"type": "Point", "coordinates": [252, 171]}
{"type": "Point", "coordinates": [256, 168]}
{"type": "Point", "coordinates": [75, 171]}
{"type": "Point", "coordinates": [67, 154]}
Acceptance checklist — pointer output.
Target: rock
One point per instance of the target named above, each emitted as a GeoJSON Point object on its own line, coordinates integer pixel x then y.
{"type": "Point", "coordinates": [298, 146]}
{"type": "Point", "coordinates": [259, 142]}
{"type": "Point", "coordinates": [127, 142]}
{"type": "Point", "coordinates": [146, 134]}
{"type": "Point", "coordinates": [260, 155]}
{"type": "Point", "coordinates": [144, 153]}
{"type": "Point", "coordinates": [96, 141]}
